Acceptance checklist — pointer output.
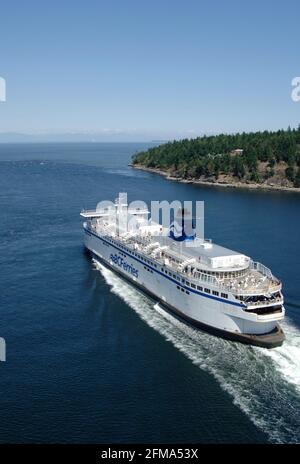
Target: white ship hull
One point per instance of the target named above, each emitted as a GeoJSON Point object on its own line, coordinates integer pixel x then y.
{"type": "Point", "coordinates": [224, 317]}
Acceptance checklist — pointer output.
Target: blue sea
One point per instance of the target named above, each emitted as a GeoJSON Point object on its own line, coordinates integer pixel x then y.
{"type": "Point", "coordinates": [92, 360]}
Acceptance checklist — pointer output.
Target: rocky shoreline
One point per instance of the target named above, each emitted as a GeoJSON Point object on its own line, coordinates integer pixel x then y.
{"type": "Point", "coordinates": [252, 186]}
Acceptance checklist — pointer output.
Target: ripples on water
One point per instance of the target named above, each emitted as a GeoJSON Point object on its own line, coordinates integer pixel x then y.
{"type": "Point", "coordinates": [265, 384]}
{"type": "Point", "coordinates": [46, 290]}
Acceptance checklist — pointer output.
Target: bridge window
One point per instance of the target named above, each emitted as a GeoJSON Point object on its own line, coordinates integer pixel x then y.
{"type": "Point", "coordinates": [224, 295]}
{"type": "Point", "coordinates": [215, 292]}
{"type": "Point", "coordinates": [199, 288]}
{"type": "Point", "coordinates": [207, 290]}
{"type": "Point", "coordinates": [193, 285]}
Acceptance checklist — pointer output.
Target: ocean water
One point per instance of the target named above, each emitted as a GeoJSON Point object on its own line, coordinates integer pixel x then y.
{"type": "Point", "coordinates": [89, 358]}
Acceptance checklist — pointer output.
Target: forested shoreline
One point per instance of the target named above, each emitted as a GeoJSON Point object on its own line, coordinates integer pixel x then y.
{"type": "Point", "coordinates": [266, 158]}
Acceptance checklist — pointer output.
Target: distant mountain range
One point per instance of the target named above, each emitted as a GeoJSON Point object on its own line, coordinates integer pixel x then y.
{"type": "Point", "coordinates": [7, 137]}
{"type": "Point", "coordinates": [18, 137]}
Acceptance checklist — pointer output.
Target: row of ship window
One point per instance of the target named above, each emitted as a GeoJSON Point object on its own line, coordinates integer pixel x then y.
{"type": "Point", "coordinates": [182, 289]}
{"type": "Point", "coordinates": [148, 269]}
{"type": "Point", "coordinates": [206, 290]}
{"type": "Point", "coordinates": [198, 287]}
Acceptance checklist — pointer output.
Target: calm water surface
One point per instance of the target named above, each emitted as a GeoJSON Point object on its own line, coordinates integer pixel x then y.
{"type": "Point", "coordinates": [89, 358]}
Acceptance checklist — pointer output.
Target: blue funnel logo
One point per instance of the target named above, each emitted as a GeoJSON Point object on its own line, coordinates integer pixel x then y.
{"type": "Point", "coordinates": [182, 228]}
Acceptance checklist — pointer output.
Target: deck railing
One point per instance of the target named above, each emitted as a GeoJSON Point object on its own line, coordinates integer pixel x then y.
{"type": "Point", "coordinates": [140, 243]}
{"type": "Point", "coordinates": [271, 302]}
{"type": "Point", "coordinates": [264, 270]}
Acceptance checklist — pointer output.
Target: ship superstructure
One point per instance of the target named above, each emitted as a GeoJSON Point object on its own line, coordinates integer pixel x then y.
{"type": "Point", "coordinates": [211, 287]}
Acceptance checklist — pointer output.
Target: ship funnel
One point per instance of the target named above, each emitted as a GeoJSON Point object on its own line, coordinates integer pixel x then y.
{"type": "Point", "coordinates": [182, 228]}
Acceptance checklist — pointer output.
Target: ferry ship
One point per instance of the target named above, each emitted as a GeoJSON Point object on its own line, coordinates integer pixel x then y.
{"type": "Point", "coordinates": [208, 286]}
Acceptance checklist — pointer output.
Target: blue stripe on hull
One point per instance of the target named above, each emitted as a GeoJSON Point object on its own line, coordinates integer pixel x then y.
{"type": "Point", "coordinates": [233, 303]}
{"type": "Point", "coordinates": [271, 340]}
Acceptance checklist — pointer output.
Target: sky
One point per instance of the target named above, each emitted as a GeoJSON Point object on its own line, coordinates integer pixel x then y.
{"type": "Point", "coordinates": [147, 70]}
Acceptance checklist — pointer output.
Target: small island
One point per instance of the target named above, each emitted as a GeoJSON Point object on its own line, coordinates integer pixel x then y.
{"type": "Point", "coordinates": [254, 160]}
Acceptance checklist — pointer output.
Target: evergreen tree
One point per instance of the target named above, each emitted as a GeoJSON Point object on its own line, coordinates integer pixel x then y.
{"type": "Point", "coordinates": [215, 155]}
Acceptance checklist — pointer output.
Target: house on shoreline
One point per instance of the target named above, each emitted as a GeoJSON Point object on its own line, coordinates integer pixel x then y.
{"type": "Point", "coordinates": [237, 151]}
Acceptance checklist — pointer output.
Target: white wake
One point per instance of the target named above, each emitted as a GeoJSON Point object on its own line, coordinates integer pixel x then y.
{"type": "Point", "coordinates": [287, 357]}
{"type": "Point", "coordinates": [264, 384]}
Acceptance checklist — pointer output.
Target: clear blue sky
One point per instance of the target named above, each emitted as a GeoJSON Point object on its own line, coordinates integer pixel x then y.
{"type": "Point", "coordinates": [149, 69]}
